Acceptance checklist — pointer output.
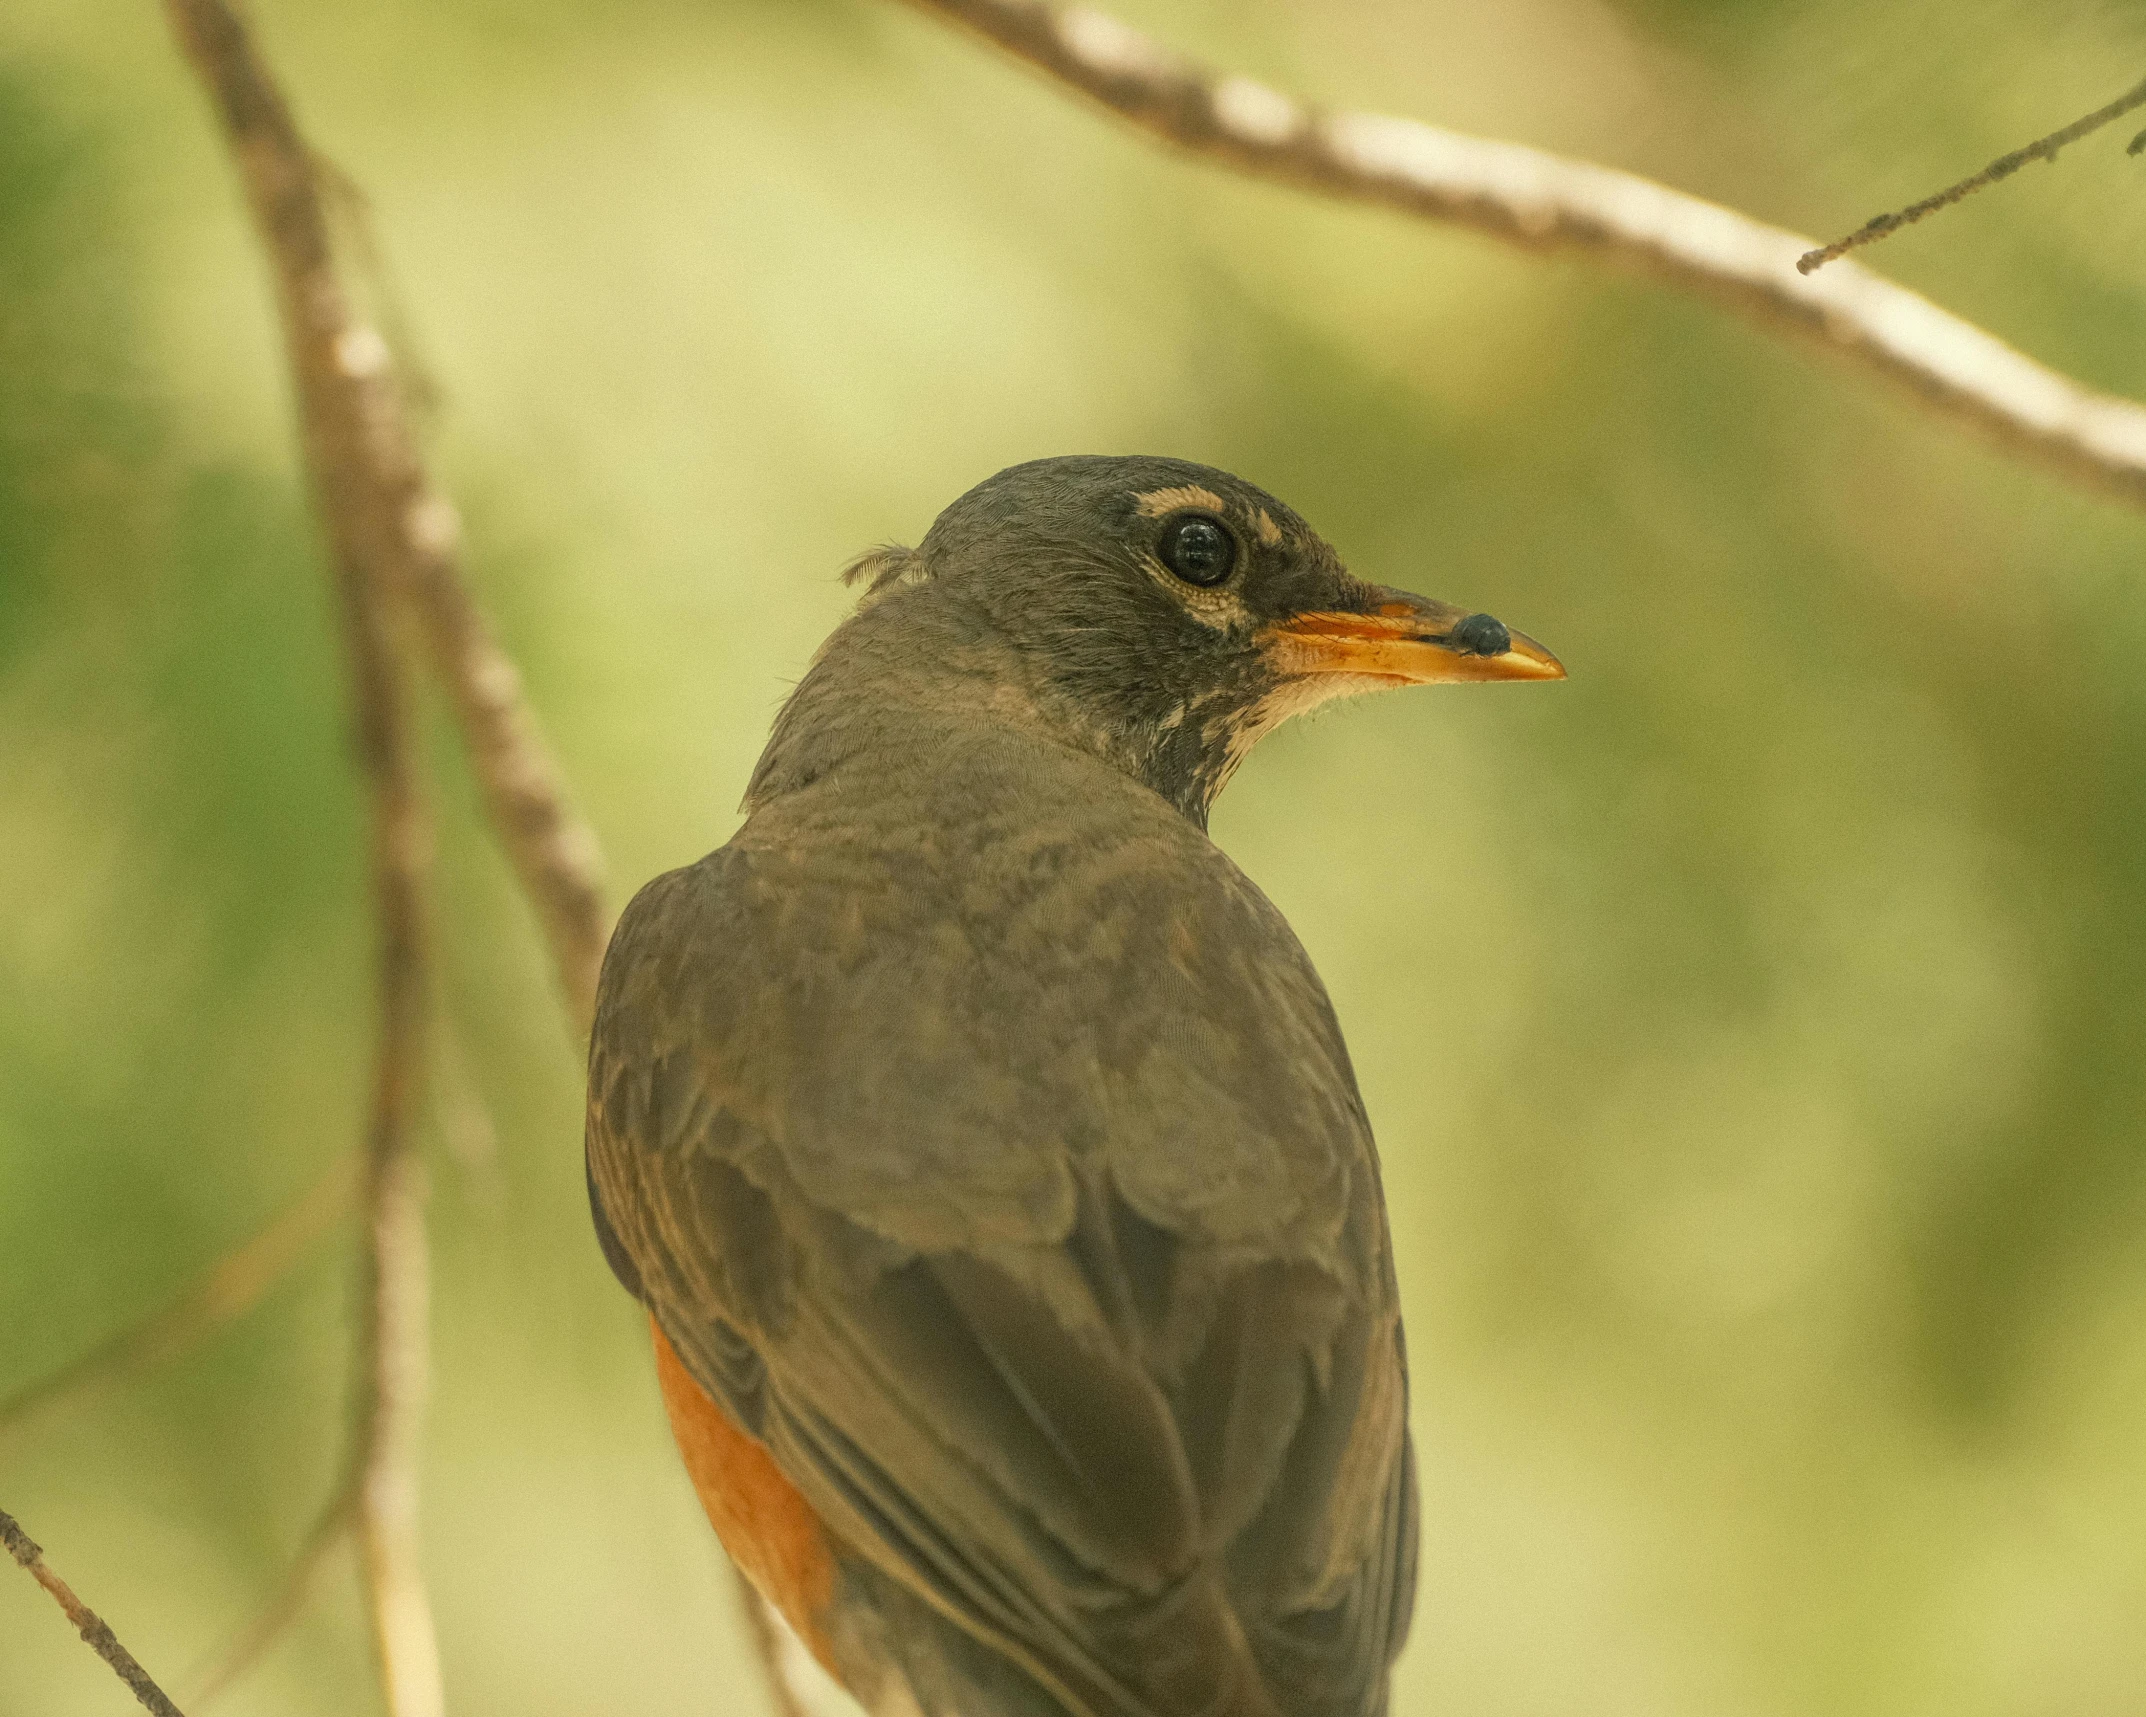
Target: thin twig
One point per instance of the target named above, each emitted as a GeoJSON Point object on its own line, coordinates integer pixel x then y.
{"type": "Point", "coordinates": [245, 1648]}
{"type": "Point", "coordinates": [767, 1636]}
{"type": "Point", "coordinates": [351, 232]}
{"type": "Point", "coordinates": [2044, 149]}
{"type": "Point", "coordinates": [98, 1637]}
{"type": "Point", "coordinates": [366, 486]}
{"type": "Point", "coordinates": [1542, 201]}
{"type": "Point", "coordinates": [394, 1359]}
{"type": "Point", "coordinates": [232, 1287]}
{"type": "Point", "coordinates": [465, 1122]}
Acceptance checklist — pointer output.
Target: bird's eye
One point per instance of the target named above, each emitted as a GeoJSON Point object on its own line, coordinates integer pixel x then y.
{"type": "Point", "coordinates": [1198, 548]}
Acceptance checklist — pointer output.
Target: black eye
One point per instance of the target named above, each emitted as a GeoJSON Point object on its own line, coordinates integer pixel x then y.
{"type": "Point", "coordinates": [1198, 548]}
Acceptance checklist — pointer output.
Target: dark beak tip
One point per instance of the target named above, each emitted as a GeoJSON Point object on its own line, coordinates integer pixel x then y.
{"type": "Point", "coordinates": [1481, 635]}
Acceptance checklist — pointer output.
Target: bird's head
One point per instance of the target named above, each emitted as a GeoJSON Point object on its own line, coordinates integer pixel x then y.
{"type": "Point", "coordinates": [1165, 615]}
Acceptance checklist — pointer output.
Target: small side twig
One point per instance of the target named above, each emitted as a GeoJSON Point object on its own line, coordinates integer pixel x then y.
{"type": "Point", "coordinates": [1544, 202]}
{"type": "Point", "coordinates": [95, 1634]}
{"type": "Point", "coordinates": [233, 1286]}
{"type": "Point", "coordinates": [284, 1605]}
{"type": "Point", "coordinates": [2042, 149]}
{"type": "Point", "coordinates": [464, 1120]}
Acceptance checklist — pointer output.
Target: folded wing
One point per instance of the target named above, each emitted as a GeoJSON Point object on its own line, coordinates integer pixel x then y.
{"type": "Point", "coordinates": [1055, 1276]}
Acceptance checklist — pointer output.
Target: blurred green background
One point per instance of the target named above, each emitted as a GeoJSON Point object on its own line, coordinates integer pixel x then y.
{"type": "Point", "coordinates": [1752, 1026]}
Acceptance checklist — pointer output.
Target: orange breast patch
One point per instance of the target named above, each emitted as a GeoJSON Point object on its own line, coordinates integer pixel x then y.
{"type": "Point", "coordinates": [768, 1528]}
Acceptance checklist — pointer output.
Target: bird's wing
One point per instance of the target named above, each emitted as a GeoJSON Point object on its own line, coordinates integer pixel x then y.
{"type": "Point", "coordinates": [1054, 1273]}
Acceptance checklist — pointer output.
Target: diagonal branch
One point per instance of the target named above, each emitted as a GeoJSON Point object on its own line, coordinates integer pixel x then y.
{"type": "Point", "coordinates": [368, 472]}
{"type": "Point", "coordinates": [1542, 201]}
{"type": "Point", "coordinates": [286, 1603]}
{"type": "Point", "coordinates": [95, 1634]}
{"type": "Point", "coordinates": [554, 853]}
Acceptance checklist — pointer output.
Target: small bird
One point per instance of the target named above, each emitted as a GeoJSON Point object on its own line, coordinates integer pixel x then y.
{"type": "Point", "coordinates": [983, 1145]}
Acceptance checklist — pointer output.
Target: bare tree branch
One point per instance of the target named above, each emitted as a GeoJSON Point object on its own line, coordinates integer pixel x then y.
{"type": "Point", "coordinates": [231, 1288]}
{"type": "Point", "coordinates": [1542, 201]}
{"type": "Point", "coordinates": [367, 489]}
{"type": "Point", "coordinates": [99, 1638]}
{"type": "Point", "coordinates": [2043, 149]}
{"type": "Point", "coordinates": [408, 529]}
{"type": "Point", "coordinates": [383, 514]}
{"type": "Point", "coordinates": [553, 851]}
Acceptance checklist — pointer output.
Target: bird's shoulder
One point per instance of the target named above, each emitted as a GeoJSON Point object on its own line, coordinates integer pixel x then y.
{"type": "Point", "coordinates": [945, 991]}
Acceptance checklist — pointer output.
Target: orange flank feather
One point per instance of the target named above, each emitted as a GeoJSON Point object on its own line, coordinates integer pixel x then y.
{"type": "Point", "coordinates": [768, 1528]}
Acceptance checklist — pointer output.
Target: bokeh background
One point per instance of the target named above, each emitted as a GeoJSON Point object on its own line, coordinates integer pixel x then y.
{"type": "Point", "coordinates": [1752, 1025]}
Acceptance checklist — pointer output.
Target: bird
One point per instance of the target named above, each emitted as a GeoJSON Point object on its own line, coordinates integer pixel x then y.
{"type": "Point", "coordinates": [983, 1146]}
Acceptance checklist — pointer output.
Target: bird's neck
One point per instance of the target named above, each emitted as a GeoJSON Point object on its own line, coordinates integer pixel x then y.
{"type": "Point", "coordinates": [895, 688]}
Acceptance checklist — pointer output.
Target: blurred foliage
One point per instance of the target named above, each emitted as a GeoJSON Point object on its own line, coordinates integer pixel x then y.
{"type": "Point", "coordinates": [1752, 1025]}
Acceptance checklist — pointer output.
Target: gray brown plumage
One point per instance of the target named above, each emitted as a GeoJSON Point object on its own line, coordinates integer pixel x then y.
{"type": "Point", "coordinates": [984, 1147]}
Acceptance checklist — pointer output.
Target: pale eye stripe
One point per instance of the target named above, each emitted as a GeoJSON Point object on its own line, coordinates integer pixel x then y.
{"type": "Point", "coordinates": [1156, 502]}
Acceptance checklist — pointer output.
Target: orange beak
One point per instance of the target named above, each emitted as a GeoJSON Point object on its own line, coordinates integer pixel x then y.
{"type": "Point", "coordinates": [1407, 640]}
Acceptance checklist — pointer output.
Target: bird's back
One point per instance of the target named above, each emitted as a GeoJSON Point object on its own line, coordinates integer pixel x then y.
{"type": "Point", "coordinates": [984, 1144]}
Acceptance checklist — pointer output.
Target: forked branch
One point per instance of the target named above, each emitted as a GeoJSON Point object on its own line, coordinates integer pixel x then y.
{"type": "Point", "coordinates": [389, 525]}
